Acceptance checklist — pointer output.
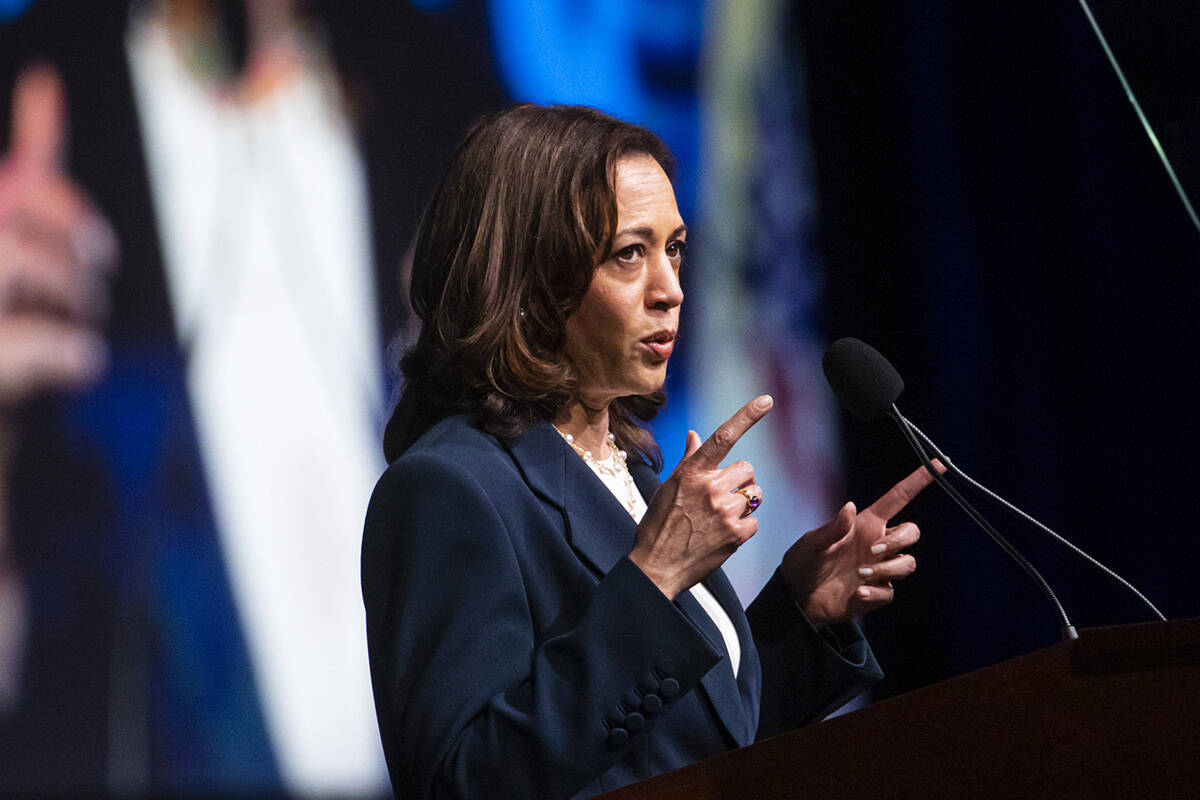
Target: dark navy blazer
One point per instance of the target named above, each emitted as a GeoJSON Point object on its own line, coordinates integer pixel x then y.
{"type": "Point", "coordinates": [517, 652]}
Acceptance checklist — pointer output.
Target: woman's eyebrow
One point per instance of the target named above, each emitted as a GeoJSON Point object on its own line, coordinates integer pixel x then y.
{"type": "Point", "coordinates": [648, 233]}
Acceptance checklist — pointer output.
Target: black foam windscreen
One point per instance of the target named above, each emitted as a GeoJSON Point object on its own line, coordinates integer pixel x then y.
{"type": "Point", "coordinates": [864, 381]}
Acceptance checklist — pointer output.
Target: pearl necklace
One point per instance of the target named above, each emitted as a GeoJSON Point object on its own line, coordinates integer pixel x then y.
{"type": "Point", "coordinates": [613, 466]}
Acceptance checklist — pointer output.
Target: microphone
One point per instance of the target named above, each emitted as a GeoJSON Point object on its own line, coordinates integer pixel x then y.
{"type": "Point", "coordinates": [868, 385]}
{"type": "Point", "coordinates": [864, 381]}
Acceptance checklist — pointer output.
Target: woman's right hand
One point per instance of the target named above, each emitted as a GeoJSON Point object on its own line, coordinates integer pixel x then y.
{"type": "Point", "coordinates": [697, 519]}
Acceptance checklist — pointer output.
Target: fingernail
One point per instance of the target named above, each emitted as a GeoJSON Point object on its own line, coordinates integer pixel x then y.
{"type": "Point", "coordinates": [878, 548]}
{"type": "Point", "coordinates": [763, 402]}
{"type": "Point", "coordinates": [864, 592]}
{"type": "Point", "coordinates": [865, 572]}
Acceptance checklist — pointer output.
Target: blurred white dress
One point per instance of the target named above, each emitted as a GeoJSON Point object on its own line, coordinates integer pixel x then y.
{"type": "Point", "coordinates": [263, 217]}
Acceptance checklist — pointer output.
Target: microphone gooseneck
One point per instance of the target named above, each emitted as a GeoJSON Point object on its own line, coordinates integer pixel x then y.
{"type": "Point", "coordinates": [1068, 630]}
{"type": "Point", "coordinates": [956, 471]}
{"type": "Point", "coordinates": [867, 384]}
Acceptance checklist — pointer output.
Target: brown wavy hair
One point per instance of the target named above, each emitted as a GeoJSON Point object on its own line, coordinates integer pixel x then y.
{"type": "Point", "coordinates": [504, 255]}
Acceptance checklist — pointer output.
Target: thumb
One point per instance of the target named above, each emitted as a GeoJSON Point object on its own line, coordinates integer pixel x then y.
{"type": "Point", "coordinates": [831, 532]}
{"type": "Point", "coordinates": [39, 119]}
{"type": "Point", "coordinates": [692, 444]}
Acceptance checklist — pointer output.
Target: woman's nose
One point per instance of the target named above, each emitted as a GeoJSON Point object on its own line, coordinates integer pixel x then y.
{"type": "Point", "coordinates": [663, 289]}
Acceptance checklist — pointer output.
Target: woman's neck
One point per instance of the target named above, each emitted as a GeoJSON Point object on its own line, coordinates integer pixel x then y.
{"type": "Point", "coordinates": [588, 427]}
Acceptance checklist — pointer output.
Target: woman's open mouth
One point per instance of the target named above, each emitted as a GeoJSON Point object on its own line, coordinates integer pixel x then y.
{"type": "Point", "coordinates": [661, 343]}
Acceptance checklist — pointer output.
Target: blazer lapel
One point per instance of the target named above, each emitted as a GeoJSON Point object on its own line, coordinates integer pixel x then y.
{"type": "Point", "coordinates": [598, 526]}
{"type": "Point", "coordinates": [644, 479]}
{"type": "Point", "coordinates": [749, 677]}
{"type": "Point", "coordinates": [541, 461]}
{"type": "Point", "coordinates": [602, 532]}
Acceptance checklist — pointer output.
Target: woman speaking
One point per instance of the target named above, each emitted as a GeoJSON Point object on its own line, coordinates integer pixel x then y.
{"type": "Point", "coordinates": [544, 618]}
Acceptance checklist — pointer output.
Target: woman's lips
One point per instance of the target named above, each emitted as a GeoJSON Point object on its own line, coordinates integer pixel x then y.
{"type": "Point", "coordinates": [661, 349]}
{"type": "Point", "coordinates": [661, 344]}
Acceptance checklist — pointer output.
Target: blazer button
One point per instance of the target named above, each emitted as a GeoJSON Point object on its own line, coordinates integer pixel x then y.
{"type": "Point", "coordinates": [668, 688]}
{"type": "Point", "coordinates": [634, 721]}
{"type": "Point", "coordinates": [618, 737]}
{"type": "Point", "coordinates": [652, 704]}
{"type": "Point", "coordinates": [615, 718]}
{"type": "Point", "coordinates": [648, 683]}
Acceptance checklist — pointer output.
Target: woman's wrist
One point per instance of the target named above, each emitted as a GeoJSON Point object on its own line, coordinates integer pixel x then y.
{"type": "Point", "coordinates": [664, 580]}
{"type": "Point", "coordinates": [814, 622]}
{"type": "Point", "coordinates": [802, 597]}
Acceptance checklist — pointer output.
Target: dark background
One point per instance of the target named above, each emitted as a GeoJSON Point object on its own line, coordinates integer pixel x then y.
{"type": "Point", "coordinates": [995, 220]}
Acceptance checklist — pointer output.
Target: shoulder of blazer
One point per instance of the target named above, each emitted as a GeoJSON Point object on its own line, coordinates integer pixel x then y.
{"type": "Point", "coordinates": [533, 462]}
{"type": "Point", "coordinates": [598, 527]}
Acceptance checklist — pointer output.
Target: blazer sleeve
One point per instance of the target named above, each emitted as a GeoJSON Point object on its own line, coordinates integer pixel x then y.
{"type": "Point", "coordinates": [806, 674]}
{"type": "Point", "coordinates": [470, 702]}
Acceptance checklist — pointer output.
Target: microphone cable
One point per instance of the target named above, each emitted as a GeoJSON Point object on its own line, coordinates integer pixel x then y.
{"type": "Point", "coordinates": [908, 426]}
{"type": "Point", "coordinates": [1068, 630]}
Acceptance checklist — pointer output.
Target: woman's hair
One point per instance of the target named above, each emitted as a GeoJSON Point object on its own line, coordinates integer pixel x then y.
{"type": "Point", "coordinates": [504, 254]}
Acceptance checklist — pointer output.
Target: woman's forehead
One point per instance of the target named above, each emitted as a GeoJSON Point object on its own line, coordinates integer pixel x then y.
{"type": "Point", "coordinates": [644, 195]}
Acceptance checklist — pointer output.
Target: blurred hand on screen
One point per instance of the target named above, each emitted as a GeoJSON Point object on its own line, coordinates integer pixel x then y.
{"type": "Point", "coordinates": [55, 251]}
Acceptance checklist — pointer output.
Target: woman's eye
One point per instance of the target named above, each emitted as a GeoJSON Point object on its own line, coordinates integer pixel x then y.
{"type": "Point", "coordinates": [629, 254]}
{"type": "Point", "coordinates": [676, 249]}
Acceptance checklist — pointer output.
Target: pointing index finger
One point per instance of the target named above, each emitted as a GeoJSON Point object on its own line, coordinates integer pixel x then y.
{"type": "Point", "coordinates": [717, 446]}
{"type": "Point", "coordinates": [900, 495]}
{"type": "Point", "coordinates": [39, 118]}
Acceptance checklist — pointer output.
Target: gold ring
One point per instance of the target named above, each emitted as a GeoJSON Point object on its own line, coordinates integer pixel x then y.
{"type": "Point", "coordinates": [752, 501]}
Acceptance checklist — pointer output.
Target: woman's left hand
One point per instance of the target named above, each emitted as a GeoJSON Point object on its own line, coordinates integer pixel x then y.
{"type": "Point", "coordinates": [845, 568]}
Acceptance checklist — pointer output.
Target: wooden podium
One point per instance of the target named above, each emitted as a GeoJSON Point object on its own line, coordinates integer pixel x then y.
{"type": "Point", "coordinates": [1114, 714]}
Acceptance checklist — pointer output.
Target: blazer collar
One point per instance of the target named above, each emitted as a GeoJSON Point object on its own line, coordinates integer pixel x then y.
{"type": "Point", "coordinates": [598, 526]}
{"type": "Point", "coordinates": [539, 455]}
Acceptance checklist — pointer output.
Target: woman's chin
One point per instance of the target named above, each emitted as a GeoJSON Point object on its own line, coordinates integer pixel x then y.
{"type": "Point", "coordinates": [652, 381]}
{"type": "Point", "coordinates": [646, 380]}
